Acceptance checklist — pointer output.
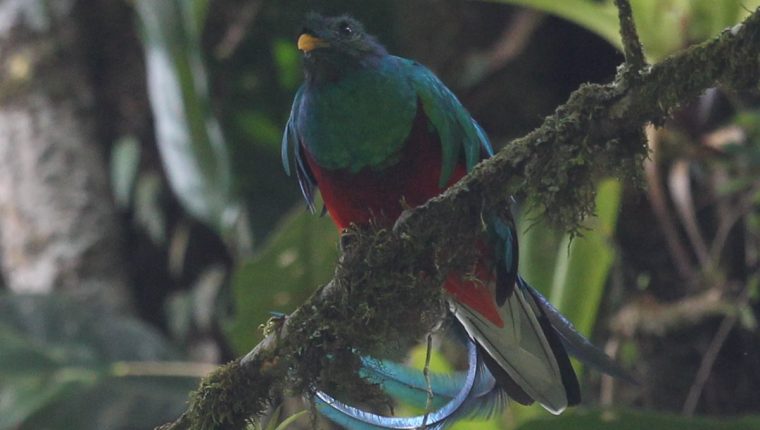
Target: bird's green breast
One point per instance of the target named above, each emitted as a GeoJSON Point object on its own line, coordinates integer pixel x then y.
{"type": "Point", "coordinates": [360, 121]}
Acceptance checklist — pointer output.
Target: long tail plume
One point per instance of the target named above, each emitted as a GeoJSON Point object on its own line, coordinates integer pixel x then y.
{"type": "Point", "coordinates": [462, 394]}
{"type": "Point", "coordinates": [473, 393]}
{"type": "Point", "coordinates": [575, 343]}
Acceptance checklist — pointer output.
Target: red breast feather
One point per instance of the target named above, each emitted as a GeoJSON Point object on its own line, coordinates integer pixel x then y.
{"type": "Point", "coordinates": [381, 195]}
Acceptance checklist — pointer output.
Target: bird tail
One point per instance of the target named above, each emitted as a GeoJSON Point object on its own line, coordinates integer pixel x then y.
{"type": "Point", "coordinates": [470, 394]}
{"type": "Point", "coordinates": [574, 342]}
{"type": "Point", "coordinates": [525, 360]}
{"type": "Point", "coordinates": [528, 352]}
{"type": "Point", "coordinates": [523, 351]}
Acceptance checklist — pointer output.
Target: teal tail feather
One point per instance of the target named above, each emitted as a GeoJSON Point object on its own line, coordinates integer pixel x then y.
{"type": "Point", "coordinates": [469, 394]}
{"type": "Point", "coordinates": [460, 395]}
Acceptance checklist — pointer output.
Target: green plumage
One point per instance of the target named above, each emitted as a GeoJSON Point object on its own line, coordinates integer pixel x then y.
{"type": "Point", "coordinates": [364, 119]}
{"type": "Point", "coordinates": [373, 131]}
{"type": "Point", "coordinates": [360, 121]}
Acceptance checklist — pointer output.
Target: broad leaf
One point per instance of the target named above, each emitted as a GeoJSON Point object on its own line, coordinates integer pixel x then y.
{"type": "Point", "coordinates": [583, 263]}
{"type": "Point", "coordinates": [190, 140]}
{"type": "Point", "coordinates": [664, 26]}
{"type": "Point", "coordinates": [301, 255]}
{"type": "Point", "coordinates": [66, 365]}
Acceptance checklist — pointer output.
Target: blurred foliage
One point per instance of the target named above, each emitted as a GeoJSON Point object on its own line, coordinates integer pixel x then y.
{"type": "Point", "coordinates": [74, 363]}
{"type": "Point", "coordinates": [664, 26]}
{"type": "Point", "coordinates": [125, 164]}
{"type": "Point", "coordinates": [195, 310]}
{"type": "Point", "coordinates": [288, 421]}
{"type": "Point", "coordinates": [567, 269]}
{"type": "Point", "coordinates": [584, 263]}
{"type": "Point", "coordinates": [742, 161]}
{"type": "Point", "coordinates": [195, 155]}
{"type": "Point", "coordinates": [300, 256]}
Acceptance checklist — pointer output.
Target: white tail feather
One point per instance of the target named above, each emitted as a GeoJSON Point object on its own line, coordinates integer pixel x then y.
{"type": "Point", "coordinates": [520, 348]}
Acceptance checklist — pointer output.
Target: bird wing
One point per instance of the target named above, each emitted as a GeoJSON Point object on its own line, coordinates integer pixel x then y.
{"type": "Point", "coordinates": [291, 142]}
{"type": "Point", "coordinates": [457, 130]}
{"type": "Point", "coordinates": [523, 350]}
{"type": "Point", "coordinates": [520, 348]}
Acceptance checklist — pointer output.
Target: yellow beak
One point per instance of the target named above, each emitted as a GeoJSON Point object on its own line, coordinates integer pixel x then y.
{"type": "Point", "coordinates": [308, 43]}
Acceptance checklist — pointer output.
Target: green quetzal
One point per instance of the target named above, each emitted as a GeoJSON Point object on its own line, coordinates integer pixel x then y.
{"type": "Point", "coordinates": [377, 133]}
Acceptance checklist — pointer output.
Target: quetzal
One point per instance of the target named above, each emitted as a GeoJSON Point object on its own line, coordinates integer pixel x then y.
{"type": "Point", "coordinates": [377, 133]}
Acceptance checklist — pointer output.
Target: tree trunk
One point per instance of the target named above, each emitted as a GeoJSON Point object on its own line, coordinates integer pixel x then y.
{"type": "Point", "coordinates": [58, 225]}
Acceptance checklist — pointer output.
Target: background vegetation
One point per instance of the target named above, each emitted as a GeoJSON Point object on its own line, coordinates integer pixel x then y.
{"type": "Point", "coordinates": [178, 107]}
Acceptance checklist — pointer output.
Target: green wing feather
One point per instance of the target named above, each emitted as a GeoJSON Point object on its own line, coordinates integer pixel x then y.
{"type": "Point", "coordinates": [455, 127]}
{"type": "Point", "coordinates": [291, 141]}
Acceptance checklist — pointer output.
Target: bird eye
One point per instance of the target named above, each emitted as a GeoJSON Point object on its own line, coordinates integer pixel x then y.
{"type": "Point", "coordinates": [345, 29]}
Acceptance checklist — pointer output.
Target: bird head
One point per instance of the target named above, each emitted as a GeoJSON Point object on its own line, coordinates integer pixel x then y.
{"type": "Point", "coordinates": [334, 45]}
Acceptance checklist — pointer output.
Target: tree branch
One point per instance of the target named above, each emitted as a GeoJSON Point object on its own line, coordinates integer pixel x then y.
{"type": "Point", "coordinates": [387, 282]}
{"type": "Point", "coordinates": [634, 55]}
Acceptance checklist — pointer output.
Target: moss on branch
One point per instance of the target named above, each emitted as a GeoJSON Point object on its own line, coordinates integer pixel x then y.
{"type": "Point", "coordinates": [378, 294]}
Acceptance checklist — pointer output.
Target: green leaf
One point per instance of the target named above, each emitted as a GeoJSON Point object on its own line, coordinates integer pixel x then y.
{"type": "Point", "coordinates": [190, 140]}
{"type": "Point", "coordinates": [636, 420]}
{"type": "Point", "coordinates": [599, 17]}
{"type": "Point", "coordinates": [291, 419]}
{"type": "Point", "coordinates": [538, 251]}
{"type": "Point", "coordinates": [572, 272]}
{"type": "Point", "coordinates": [125, 162]}
{"type": "Point", "coordinates": [709, 17]}
{"type": "Point", "coordinates": [274, 418]}
{"type": "Point", "coordinates": [18, 356]}
{"type": "Point", "coordinates": [664, 26]}
{"type": "Point", "coordinates": [287, 59]}
{"type": "Point", "coordinates": [148, 206]}
{"type": "Point", "coordinates": [118, 404]}
{"type": "Point", "coordinates": [56, 367]}
{"type": "Point", "coordinates": [21, 400]}
{"type": "Point", "coordinates": [28, 377]}
{"type": "Point", "coordinates": [195, 12]}
{"type": "Point", "coordinates": [583, 263]}
{"type": "Point", "coordinates": [261, 128]}
{"type": "Point", "coordinates": [300, 256]}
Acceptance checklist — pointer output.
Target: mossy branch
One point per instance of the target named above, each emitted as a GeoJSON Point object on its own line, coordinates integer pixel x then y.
{"type": "Point", "coordinates": [634, 54]}
{"type": "Point", "coordinates": [378, 294]}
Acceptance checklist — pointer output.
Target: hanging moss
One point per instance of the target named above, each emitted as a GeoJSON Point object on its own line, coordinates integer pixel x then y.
{"type": "Point", "coordinates": [227, 399]}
